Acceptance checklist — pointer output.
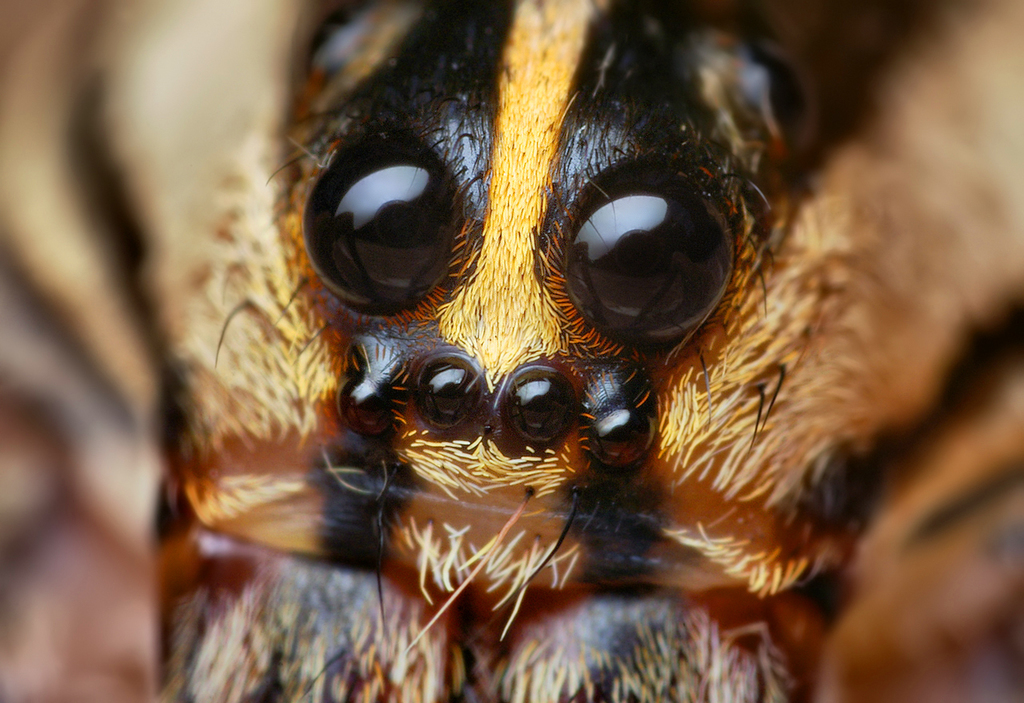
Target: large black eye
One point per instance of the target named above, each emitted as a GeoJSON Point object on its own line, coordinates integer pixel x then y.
{"type": "Point", "coordinates": [648, 266]}
{"type": "Point", "coordinates": [379, 226]}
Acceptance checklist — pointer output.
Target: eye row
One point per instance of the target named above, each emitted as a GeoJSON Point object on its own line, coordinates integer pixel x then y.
{"type": "Point", "coordinates": [649, 262]}
{"type": "Point", "coordinates": [614, 410]}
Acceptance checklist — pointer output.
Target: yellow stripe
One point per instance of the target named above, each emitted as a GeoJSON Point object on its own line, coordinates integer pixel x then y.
{"type": "Point", "coordinates": [503, 317]}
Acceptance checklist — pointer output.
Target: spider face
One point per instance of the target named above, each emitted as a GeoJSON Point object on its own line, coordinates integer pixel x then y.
{"type": "Point", "coordinates": [510, 284]}
{"type": "Point", "coordinates": [525, 389]}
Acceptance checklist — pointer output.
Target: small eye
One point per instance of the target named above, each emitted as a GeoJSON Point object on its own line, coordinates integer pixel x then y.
{"type": "Point", "coordinates": [450, 389]}
{"type": "Point", "coordinates": [379, 226]}
{"type": "Point", "coordinates": [771, 84]}
{"type": "Point", "coordinates": [540, 404]}
{"type": "Point", "coordinates": [648, 267]}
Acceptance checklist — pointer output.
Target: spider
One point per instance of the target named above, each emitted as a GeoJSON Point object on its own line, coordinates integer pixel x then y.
{"type": "Point", "coordinates": [521, 351]}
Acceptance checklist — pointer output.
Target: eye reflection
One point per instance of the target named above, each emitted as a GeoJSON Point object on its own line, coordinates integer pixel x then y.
{"type": "Point", "coordinates": [621, 218]}
{"type": "Point", "coordinates": [618, 236]}
{"type": "Point", "coordinates": [395, 184]}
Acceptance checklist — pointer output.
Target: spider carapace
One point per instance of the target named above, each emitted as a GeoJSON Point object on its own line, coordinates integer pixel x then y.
{"type": "Point", "coordinates": [521, 395]}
